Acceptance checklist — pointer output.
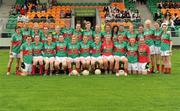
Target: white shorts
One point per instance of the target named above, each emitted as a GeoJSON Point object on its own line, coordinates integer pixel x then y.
{"type": "Point", "coordinates": [142, 66]}
{"type": "Point", "coordinates": [28, 68]}
{"type": "Point", "coordinates": [15, 55]}
{"type": "Point", "coordinates": [152, 49]}
{"type": "Point", "coordinates": [165, 53]}
{"type": "Point", "coordinates": [157, 50]}
{"type": "Point", "coordinates": [73, 59]}
{"type": "Point", "coordinates": [108, 57]}
{"type": "Point", "coordinates": [132, 66]}
{"type": "Point", "coordinates": [119, 57]}
{"type": "Point", "coordinates": [37, 57]}
{"type": "Point", "coordinates": [49, 58]}
{"type": "Point", "coordinates": [85, 58]}
{"type": "Point", "coordinates": [61, 59]}
{"type": "Point", "coordinates": [96, 58]}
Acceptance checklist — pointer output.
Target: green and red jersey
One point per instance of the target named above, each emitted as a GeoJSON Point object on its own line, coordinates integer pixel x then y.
{"type": "Point", "coordinates": [96, 49]}
{"type": "Point", "coordinates": [98, 34]}
{"type": "Point", "coordinates": [114, 37]}
{"type": "Point", "coordinates": [67, 33]}
{"type": "Point", "coordinates": [119, 49]}
{"type": "Point", "coordinates": [49, 50]}
{"type": "Point", "coordinates": [148, 36]}
{"type": "Point", "coordinates": [85, 49]}
{"type": "Point", "coordinates": [132, 53]}
{"type": "Point", "coordinates": [89, 34]}
{"type": "Point", "coordinates": [139, 36]}
{"type": "Point", "coordinates": [25, 33]}
{"type": "Point", "coordinates": [73, 50]}
{"type": "Point", "coordinates": [130, 35]}
{"type": "Point", "coordinates": [165, 41]}
{"type": "Point", "coordinates": [79, 34]}
{"type": "Point", "coordinates": [61, 49]}
{"type": "Point", "coordinates": [16, 42]}
{"type": "Point", "coordinates": [157, 37]}
{"type": "Point", "coordinates": [55, 36]}
{"type": "Point", "coordinates": [37, 48]}
{"type": "Point", "coordinates": [143, 53]}
{"type": "Point", "coordinates": [107, 48]}
{"type": "Point", "coordinates": [27, 50]}
{"type": "Point", "coordinates": [123, 33]}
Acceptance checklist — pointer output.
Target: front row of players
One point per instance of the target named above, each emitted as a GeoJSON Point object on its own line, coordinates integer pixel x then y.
{"type": "Point", "coordinates": [81, 57]}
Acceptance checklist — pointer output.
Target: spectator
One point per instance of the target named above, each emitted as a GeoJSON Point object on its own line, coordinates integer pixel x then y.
{"type": "Point", "coordinates": [51, 18]}
{"type": "Point", "coordinates": [36, 18]}
{"type": "Point", "coordinates": [22, 11]}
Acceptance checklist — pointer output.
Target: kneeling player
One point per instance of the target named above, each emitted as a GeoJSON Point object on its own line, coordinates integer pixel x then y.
{"type": "Point", "coordinates": [49, 53]}
{"type": "Point", "coordinates": [73, 55]}
{"type": "Point", "coordinates": [15, 50]}
{"type": "Point", "coordinates": [85, 53]}
{"type": "Point", "coordinates": [26, 56]}
{"type": "Point", "coordinates": [119, 54]}
{"type": "Point", "coordinates": [96, 59]}
{"type": "Point", "coordinates": [61, 54]}
{"type": "Point", "coordinates": [37, 55]}
{"type": "Point", "coordinates": [143, 57]}
{"type": "Point", "coordinates": [107, 54]}
{"type": "Point", "coordinates": [132, 56]}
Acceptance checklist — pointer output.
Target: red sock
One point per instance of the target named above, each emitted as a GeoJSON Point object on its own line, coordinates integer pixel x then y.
{"type": "Point", "coordinates": [70, 70]}
{"type": "Point", "coordinates": [41, 69]}
{"type": "Point", "coordinates": [17, 69]}
{"type": "Point", "coordinates": [158, 67]}
{"type": "Point", "coordinates": [9, 69]}
{"type": "Point", "coordinates": [125, 70]}
{"type": "Point", "coordinates": [33, 69]}
{"type": "Point", "coordinates": [77, 69]}
{"type": "Point", "coordinates": [162, 68]}
{"type": "Point", "coordinates": [169, 70]}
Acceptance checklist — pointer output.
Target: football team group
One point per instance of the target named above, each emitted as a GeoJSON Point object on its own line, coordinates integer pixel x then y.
{"type": "Point", "coordinates": [76, 51]}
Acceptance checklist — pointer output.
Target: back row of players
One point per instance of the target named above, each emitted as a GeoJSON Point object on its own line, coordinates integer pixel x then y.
{"type": "Point", "coordinates": [91, 50]}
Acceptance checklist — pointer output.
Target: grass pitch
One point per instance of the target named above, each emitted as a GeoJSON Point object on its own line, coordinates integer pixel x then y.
{"type": "Point", "coordinates": [156, 92]}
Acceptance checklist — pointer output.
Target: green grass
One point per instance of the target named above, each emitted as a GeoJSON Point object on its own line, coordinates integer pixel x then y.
{"type": "Point", "coordinates": [157, 92]}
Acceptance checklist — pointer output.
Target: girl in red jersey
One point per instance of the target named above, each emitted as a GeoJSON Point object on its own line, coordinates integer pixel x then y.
{"type": "Point", "coordinates": [107, 54]}
{"type": "Point", "coordinates": [143, 56]}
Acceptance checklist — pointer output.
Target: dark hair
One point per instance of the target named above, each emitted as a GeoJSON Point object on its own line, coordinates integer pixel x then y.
{"type": "Point", "coordinates": [115, 26]}
{"type": "Point", "coordinates": [17, 27]}
{"type": "Point", "coordinates": [140, 25]}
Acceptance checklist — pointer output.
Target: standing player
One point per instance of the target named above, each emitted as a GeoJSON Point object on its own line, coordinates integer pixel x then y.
{"type": "Point", "coordinates": [49, 54]}
{"type": "Point", "coordinates": [97, 32]}
{"type": "Point", "coordinates": [26, 31]}
{"type": "Point", "coordinates": [96, 53]}
{"type": "Point", "coordinates": [123, 32]}
{"type": "Point", "coordinates": [78, 32]}
{"type": "Point", "coordinates": [114, 31]}
{"type": "Point", "coordinates": [166, 45]}
{"type": "Point", "coordinates": [131, 34]}
{"type": "Point", "coordinates": [14, 52]}
{"type": "Point", "coordinates": [73, 54]}
{"type": "Point", "coordinates": [44, 34]}
{"type": "Point", "coordinates": [132, 56]}
{"type": "Point", "coordinates": [27, 56]}
{"type": "Point", "coordinates": [120, 53]}
{"type": "Point", "coordinates": [148, 35]}
{"type": "Point", "coordinates": [56, 34]}
{"type": "Point", "coordinates": [37, 55]}
{"type": "Point", "coordinates": [107, 31]}
{"type": "Point", "coordinates": [157, 44]}
{"type": "Point", "coordinates": [107, 54]}
{"type": "Point", "coordinates": [61, 54]}
{"type": "Point", "coordinates": [67, 32]}
{"type": "Point", "coordinates": [88, 32]}
{"type": "Point", "coordinates": [85, 53]}
{"type": "Point", "coordinates": [143, 57]}
{"type": "Point", "coordinates": [140, 32]}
